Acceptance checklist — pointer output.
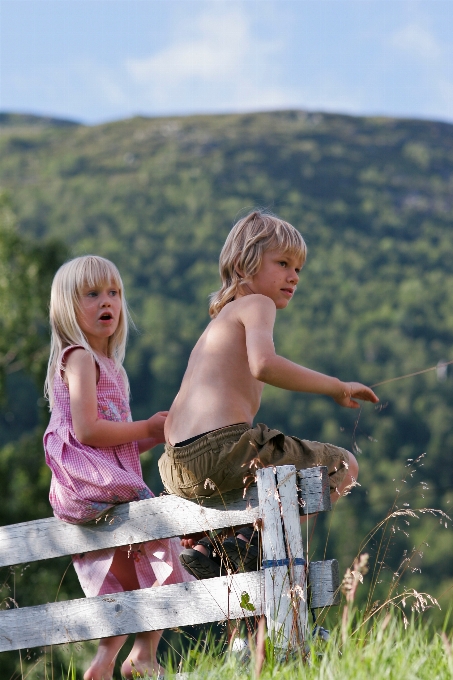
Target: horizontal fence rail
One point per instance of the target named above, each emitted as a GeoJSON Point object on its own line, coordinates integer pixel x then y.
{"type": "Point", "coordinates": [181, 604]}
{"type": "Point", "coordinates": [152, 519]}
{"type": "Point", "coordinates": [149, 520]}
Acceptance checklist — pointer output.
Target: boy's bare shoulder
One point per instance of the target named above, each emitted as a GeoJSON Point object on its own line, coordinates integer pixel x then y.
{"type": "Point", "coordinates": [248, 301]}
{"type": "Point", "coordinates": [250, 304]}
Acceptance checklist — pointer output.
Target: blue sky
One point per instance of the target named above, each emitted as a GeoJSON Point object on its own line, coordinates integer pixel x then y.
{"type": "Point", "coordinates": [99, 60]}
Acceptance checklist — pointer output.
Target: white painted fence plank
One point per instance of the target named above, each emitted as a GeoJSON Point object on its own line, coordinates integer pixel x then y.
{"type": "Point", "coordinates": [276, 581]}
{"type": "Point", "coordinates": [151, 609]}
{"type": "Point", "coordinates": [181, 604]}
{"type": "Point", "coordinates": [151, 519]}
{"type": "Point", "coordinates": [156, 518]}
{"type": "Point", "coordinates": [286, 478]}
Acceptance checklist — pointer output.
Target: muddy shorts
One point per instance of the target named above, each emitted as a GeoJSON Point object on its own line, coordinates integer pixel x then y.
{"type": "Point", "coordinates": [228, 458]}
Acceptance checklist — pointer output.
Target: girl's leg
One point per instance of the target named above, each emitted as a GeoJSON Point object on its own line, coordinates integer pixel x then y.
{"type": "Point", "coordinates": [101, 668]}
{"type": "Point", "coordinates": [142, 656]}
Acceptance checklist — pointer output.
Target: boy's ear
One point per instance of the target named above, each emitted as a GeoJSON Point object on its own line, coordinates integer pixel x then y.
{"type": "Point", "coordinates": [239, 271]}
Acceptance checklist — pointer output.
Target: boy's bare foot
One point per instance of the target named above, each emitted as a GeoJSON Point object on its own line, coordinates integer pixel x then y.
{"type": "Point", "coordinates": [101, 668]}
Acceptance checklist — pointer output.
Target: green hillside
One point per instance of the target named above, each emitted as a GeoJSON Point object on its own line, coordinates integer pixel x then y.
{"type": "Point", "coordinates": [373, 198]}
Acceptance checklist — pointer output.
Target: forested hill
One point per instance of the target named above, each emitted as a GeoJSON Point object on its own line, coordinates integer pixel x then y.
{"type": "Point", "coordinates": [373, 198]}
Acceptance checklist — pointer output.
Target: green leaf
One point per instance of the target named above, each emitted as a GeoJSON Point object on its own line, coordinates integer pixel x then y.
{"type": "Point", "coordinates": [245, 602]}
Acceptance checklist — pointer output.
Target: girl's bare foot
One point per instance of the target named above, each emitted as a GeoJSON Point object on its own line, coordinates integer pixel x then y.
{"type": "Point", "coordinates": [130, 668]}
{"type": "Point", "coordinates": [101, 668]}
{"type": "Point", "coordinates": [142, 657]}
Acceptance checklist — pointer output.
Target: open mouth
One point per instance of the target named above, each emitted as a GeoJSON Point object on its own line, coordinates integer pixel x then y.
{"type": "Point", "coordinates": [106, 317]}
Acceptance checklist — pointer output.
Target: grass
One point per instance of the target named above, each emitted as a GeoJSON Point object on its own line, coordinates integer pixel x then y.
{"type": "Point", "coordinates": [393, 637]}
{"type": "Point", "coordinates": [389, 645]}
{"type": "Point", "coordinates": [388, 649]}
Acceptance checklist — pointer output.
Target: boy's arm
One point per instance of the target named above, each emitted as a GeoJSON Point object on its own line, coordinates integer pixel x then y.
{"type": "Point", "coordinates": [257, 313]}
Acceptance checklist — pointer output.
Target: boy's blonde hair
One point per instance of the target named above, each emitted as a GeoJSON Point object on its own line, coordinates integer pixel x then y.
{"type": "Point", "coordinates": [243, 250]}
{"type": "Point", "coordinates": [67, 286]}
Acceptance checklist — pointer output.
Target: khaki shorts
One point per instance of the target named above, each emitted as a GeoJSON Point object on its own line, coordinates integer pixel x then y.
{"type": "Point", "coordinates": [227, 459]}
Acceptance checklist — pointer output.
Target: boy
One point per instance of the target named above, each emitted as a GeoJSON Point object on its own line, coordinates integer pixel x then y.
{"type": "Point", "coordinates": [212, 446]}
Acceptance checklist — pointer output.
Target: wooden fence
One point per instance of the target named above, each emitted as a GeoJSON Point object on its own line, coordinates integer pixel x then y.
{"type": "Point", "coordinates": [278, 590]}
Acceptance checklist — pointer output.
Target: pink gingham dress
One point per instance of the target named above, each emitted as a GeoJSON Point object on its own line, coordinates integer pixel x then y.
{"type": "Point", "coordinates": [87, 481]}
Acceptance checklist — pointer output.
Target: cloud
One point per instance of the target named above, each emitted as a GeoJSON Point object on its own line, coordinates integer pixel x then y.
{"type": "Point", "coordinates": [431, 61]}
{"type": "Point", "coordinates": [217, 62]}
{"type": "Point", "coordinates": [100, 82]}
{"type": "Point", "coordinates": [217, 51]}
{"type": "Point", "coordinates": [417, 41]}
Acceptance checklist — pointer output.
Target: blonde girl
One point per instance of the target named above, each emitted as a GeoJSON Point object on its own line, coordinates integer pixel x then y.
{"type": "Point", "coordinates": [92, 445]}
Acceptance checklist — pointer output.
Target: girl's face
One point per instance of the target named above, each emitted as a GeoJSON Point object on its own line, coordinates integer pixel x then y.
{"type": "Point", "coordinates": [99, 314]}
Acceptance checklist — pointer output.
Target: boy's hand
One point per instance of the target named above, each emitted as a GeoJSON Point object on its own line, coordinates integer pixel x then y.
{"type": "Point", "coordinates": [156, 427]}
{"type": "Point", "coordinates": [352, 391]}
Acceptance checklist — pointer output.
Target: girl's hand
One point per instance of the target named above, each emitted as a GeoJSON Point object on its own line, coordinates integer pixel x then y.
{"type": "Point", "coordinates": [349, 392]}
{"type": "Point", "coordinates": [156, 427]}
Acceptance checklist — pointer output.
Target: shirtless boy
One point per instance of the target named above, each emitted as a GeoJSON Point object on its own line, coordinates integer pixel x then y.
{"type": "Point", "coordinates": [212, 446]}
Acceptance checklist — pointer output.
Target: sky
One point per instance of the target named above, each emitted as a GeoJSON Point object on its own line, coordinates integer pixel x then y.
{"type": "Point", "coordinates": [100, 60]}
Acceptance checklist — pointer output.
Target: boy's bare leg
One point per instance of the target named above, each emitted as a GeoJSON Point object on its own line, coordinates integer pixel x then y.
{"type": "Point", "coordinates": [349, 481]}
{"type": "Point", "coordinates": [191, 540]}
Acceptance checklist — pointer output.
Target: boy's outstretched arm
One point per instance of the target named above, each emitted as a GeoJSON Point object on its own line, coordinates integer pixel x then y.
{"type": "Point", "coordinates": [257, 313]}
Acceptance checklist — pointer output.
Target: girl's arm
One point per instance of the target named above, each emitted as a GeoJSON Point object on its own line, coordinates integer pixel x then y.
{"type": "Point", "coordinates": [89, 429]}
{"type": "Point", "coordinates": [159, 438]}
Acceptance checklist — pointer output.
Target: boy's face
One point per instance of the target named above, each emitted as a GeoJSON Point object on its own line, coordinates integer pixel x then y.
{"type": "Point", "coordinates": [277, 277]}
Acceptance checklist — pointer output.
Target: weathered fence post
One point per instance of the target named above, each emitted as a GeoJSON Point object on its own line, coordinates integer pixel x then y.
{"type": "Point", "coordinates": [277, 606]}
{"type": "Point", "coordinates": [283, 561]}
{"type": "Point", "coordinates": [290, 511]}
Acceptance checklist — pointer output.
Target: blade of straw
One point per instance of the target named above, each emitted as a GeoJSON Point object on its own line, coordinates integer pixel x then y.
{"type": "Point", "coordinates": [410, 375]}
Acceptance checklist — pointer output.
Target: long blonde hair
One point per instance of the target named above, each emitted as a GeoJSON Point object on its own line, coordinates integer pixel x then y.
{"type": "Point", "coordinates": [67, 285]}
{"type": "Point", "coordinates": [243, 252]}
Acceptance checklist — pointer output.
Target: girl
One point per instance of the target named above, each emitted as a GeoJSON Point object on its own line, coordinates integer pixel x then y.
{"type": "Point", "coordinates": [92, 446]}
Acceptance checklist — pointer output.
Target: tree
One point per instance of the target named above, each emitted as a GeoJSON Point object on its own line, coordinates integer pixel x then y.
{"type": "Point", "coordinates": [26, 271]}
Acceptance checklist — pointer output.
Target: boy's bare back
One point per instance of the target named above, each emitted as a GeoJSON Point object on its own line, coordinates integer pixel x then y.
{"type": "Point", "coordinates": [218, 388]}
